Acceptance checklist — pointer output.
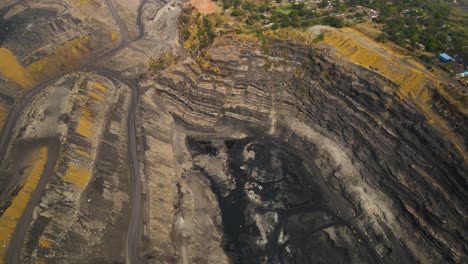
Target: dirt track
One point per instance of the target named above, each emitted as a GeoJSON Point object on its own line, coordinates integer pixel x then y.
{"type": "Point", "coordinates": [134, 231]}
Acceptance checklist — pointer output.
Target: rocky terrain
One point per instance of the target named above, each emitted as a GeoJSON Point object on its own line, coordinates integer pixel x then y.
{"type": "Point", "coordinates": [119, 144]}
{"type": "Point", "coordinates": [307, 158]}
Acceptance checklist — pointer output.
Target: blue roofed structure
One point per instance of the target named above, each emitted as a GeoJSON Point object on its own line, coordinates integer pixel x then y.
{"type": "Point", "coordinates": [445, 57]}
{"type": "Point", "coordinates": [463, 74]}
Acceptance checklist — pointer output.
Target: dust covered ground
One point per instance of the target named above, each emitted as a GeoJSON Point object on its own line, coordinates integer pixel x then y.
{"type": "Point", "coordinates": [121, 142]}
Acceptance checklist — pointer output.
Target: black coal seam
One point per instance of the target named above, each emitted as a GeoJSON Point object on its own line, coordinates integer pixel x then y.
{"type": "Point", "coordinates": [231, 236]}
{"type": "Point", "coordinates": [451, 179]}
{"type": "Point", "coordinates": [191, 100]}
{"type": "Point", "coordinates": [427, 237]}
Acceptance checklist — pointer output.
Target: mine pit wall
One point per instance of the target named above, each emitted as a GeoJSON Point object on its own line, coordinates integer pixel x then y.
{"type": "Point", "coordinates": [54, 47]}
{"type": "Point", "coordinates": [179, 204]}
{"type": "Point", "coordinates": [38, 125]}
{"type": "Point", "coordinates": [379, 157]}
{"type": "Point", "coordinates": [159, 180]}
{"type": "Point", "coordinates": [40, 41]}
{"type": "Point", "coordinates": [101, 213]}
{"type": "Point", "coordinates": [86, 200]}
{"type": "Point", "coordinates": [91, 211]}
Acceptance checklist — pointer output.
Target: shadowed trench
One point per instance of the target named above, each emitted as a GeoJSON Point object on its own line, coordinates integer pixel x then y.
{"type": "Point", "coordinates": [273, 211]}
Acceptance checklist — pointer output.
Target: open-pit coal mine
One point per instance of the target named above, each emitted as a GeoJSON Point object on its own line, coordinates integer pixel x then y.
{"type": "Point", "coordinates": [122, 144]}
{"type": "Point", "coordinates": [271, 205]}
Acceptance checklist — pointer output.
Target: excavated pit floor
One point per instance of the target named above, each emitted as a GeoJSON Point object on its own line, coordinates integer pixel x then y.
{"type": "Point", "coordinates": [272, 206]}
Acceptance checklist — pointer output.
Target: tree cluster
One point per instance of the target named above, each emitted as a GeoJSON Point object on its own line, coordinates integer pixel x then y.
{"type": "Point", "coordinates": [297, 15]}
{"type": "Point", "coordinates": [421, 22]}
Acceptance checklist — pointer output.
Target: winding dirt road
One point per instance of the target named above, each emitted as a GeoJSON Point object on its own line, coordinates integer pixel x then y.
{"type": "Point", "coordinates": [135, 227]}
{"type": "Point", "coordinates": [15, 245]}
{"type": "Point", "coordinates": [134, 231]}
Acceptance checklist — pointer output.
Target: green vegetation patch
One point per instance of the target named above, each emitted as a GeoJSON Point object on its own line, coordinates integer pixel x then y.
{"type": "Point", "coordinates": [198, 31]}
{"type": "Point", "coordinates": [423, 24]}
{"type": "Point", "coordinates": [272, 15]}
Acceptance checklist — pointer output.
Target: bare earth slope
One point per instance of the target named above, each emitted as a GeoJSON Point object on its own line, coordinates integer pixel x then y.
{"type": "Point", "coordinates": [311, 161]}
{"type": "Point", "coordinates": [272, 150]}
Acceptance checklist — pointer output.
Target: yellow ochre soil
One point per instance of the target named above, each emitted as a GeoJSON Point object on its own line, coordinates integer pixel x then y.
{"type": "Point", "coordinates": [11, 216]}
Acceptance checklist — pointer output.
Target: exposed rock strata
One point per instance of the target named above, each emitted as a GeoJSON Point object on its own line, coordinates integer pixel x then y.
{"type": "Point", "coordinates": [253, 152]}
{"type": "Point", "coordinates": [85, 200]}
{"type": "Point", "coordinates": [381, 184]}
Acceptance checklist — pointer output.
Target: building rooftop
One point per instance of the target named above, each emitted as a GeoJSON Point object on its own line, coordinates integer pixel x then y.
{"type": "Point", "coordinates": [445, 57]}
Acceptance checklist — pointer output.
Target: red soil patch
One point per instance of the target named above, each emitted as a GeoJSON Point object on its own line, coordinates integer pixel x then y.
{"type": "Point", "coordinates": [205, 6]}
